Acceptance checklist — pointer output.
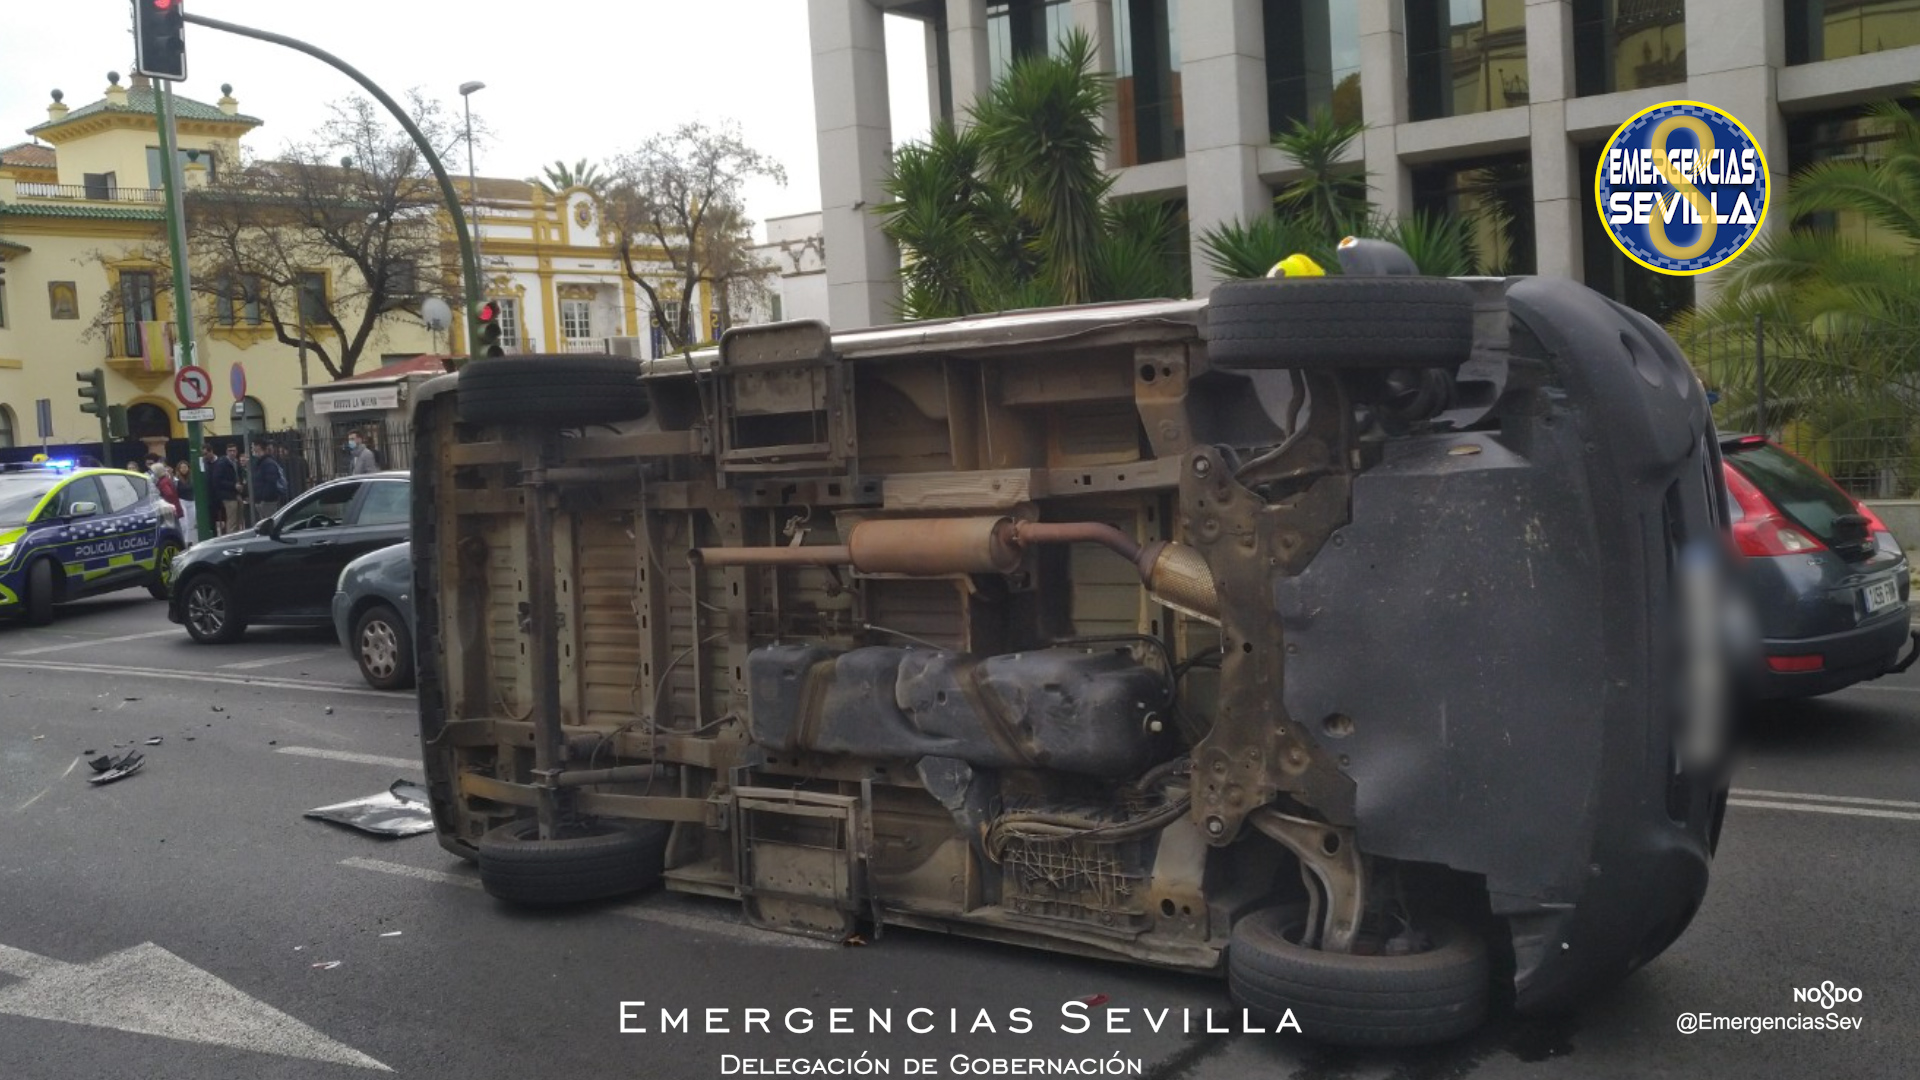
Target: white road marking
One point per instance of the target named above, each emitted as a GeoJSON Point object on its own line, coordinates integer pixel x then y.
{"type": "Point", "coordinates": [147, 990]}
{"type": "Point", "coordinates": [44, 649]}
{"type": "Point", "coordinates": [70, 767]}
{"type": "Point", "coordinates": [71, 668]}
{"type": "Point", "coordinates": [347, 755]}
{"type": "Point", "coordinates": [644, 911]}
{"type": "Point", "coordinates": [1815, 808]}
{"type": "Point", "coordinates": [1748, 793]}
{"type": "Point", "coordinates": [271, 661]}
{"type": "Point", "coordinates": [1887, 689]}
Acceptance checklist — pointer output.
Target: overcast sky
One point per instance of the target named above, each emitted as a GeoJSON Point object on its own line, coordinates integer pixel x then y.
{"type": "Point", "coordinates": [565, 80]}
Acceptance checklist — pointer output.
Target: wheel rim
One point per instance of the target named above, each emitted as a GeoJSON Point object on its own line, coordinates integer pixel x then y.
{"type": "Point", "coordinates": [167, 554]}
{"type": "Point", "coordinates": [379, 649]}
{"type": "Point", "coordinates": [207, 609]}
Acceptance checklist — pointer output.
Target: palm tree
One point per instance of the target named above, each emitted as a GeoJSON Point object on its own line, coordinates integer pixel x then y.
{"type": "Point", "coordinates": [1326, 202]}
{"type": "Point", "coordinates": [560, 176]}
{"type": "Point", "coordinates": [1014, 210]}
{"type": "Point", "coordinates": [1838, 315]}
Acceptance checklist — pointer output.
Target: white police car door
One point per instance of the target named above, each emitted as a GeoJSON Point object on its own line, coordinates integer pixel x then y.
{"type": "Point", "coordinates": [130, 524]}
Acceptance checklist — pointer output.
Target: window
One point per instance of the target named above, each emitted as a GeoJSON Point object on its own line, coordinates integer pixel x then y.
{"type": "Point", "coordinates": [138, 304]}
{"type": "Point", "coordinates": [509, 309]}
{"type": "Point", "coordinates": [323, 509]}
{"type": "Point", "coordinates": [1841, 135]}
{"type": "Point", "coordinates": [776, 306]}
{"type": "Point", "coordinates": [120, 493]}
{"type": "Point", "coordinates": [313, 297]}
{"type": "Point", "coordinates": [1147, 83]}
{"type": "Point", "coordinates": [3, 298]}
{"type": "Point", "coordinates": [240, 300]}
{"type": "Point", "coordinates": [83, 490]}
{"type": "Point", "coordinates": [1628, 44]}
{"type": "Point", "coordinates": [403, 278]}
{"type": "Point", "coordinates": [99, 185]}
{"type": "Point", "coordinates": [388, 502]}
{"type": "Point", "coordinates": [1021, 28]}
{"type": "Point", "coordinates": [204, 157]}
{"type": "Point", "coordinates": [1496, 195]}
{"type": "Point", "coordinates": [1465, 56]}
{"type": "Point", "coordinates": [1831, 29]}
{"type": "Point", "coordinates": [576, 319]}
{"type": "Point", "coordinates": [6, 427]}
{"type": "Point", "coordinates": [1313, 60]}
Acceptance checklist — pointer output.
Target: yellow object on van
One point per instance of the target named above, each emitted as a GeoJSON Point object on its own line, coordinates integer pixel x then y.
{"type": "Point", "coordinates": [1296, 265]}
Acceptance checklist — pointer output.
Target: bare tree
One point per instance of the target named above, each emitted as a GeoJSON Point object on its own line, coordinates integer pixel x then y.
{"type": "Point", "coordinates": [327, 243]}
{"type": "Point", "coordinates": [679, 199]}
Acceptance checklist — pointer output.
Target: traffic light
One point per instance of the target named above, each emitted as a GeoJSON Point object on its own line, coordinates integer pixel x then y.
{"type": "Point", "coordinates": [117, 421]}
{"type": "Point", "coordinates": [489, 319]}
{"type": "Point", "coordinates": [93, 391]}
{"type": "Point", "coordinates": [160, 39]}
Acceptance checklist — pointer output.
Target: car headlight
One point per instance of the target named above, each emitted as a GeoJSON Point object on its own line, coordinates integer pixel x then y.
{"type": "Point", "coordinates": [6, 550]}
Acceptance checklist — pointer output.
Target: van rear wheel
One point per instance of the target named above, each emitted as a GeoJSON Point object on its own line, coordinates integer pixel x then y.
{"type": "Point", "coordinates": [1340, 323]}
{"type": "Point", "coordinates": [1349, 999]}
{"type": "Point", "coordinates": [588, 862]}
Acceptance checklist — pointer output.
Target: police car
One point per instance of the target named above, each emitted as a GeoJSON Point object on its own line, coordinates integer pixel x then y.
{"type": "Point", "coordinates": [66, 533]}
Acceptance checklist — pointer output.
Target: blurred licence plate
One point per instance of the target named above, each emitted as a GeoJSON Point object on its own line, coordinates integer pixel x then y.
{"type": "Point", "coordinates": [1879, 594]}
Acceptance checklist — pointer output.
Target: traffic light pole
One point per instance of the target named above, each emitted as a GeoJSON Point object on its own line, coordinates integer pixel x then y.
{"type": "Point", "coordinates": [469, 263]}
{"type": "Point", "coordinates": [175, 185]}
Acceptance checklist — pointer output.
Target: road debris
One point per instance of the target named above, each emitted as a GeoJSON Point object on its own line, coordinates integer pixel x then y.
{"type": "Point", "coordinates": [326, 965]}
{"type": "Point", "coordinates": [393, 933]}
{"type": "Point", "coordinates": [155, 741]}
{"type": "Point", "coordinates": [401, 810]}
{"type": "Point", "coordinates": [115, 768]}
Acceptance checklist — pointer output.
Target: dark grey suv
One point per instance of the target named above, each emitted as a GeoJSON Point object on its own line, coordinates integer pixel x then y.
{"type": "Point", "coordinates": [1828, 580]}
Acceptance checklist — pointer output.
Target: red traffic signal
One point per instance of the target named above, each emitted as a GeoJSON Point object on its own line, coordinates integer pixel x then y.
{"type": "Point", "coordinates": [487, 316]}
{"type": "Point", "coordinates": [159, 38]}
{"type": "Point", "coordinates": [489, 311]}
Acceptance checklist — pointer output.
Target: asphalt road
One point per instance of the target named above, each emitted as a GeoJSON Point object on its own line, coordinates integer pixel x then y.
{"type": "Point", "coordinates": [170, 925]}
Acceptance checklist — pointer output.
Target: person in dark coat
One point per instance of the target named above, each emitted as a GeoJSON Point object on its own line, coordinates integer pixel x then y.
{"type": "Point", "coordinates": [268, 483]}
{"type": "Point", "coordinates": [223, 483]}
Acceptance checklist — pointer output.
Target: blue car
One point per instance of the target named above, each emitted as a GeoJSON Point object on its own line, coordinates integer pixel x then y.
{"type": "Point", "coordinates": [373, 615]}
{"type": "Point", "coordinates": [70, 533]}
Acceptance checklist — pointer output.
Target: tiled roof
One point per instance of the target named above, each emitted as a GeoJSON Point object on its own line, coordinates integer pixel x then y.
{"type": "Point", "coordinates": [427, 364]}
{"type": "Point", "coordinates": [28, 155]}
{"type": "Point", "coordinates": [98, 213]}
{"type": "Point", "coordinates": [142, 101]}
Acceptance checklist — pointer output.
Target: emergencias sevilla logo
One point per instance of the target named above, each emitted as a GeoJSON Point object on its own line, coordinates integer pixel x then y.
{"type": "Point", "coordinates": [1682, 187]}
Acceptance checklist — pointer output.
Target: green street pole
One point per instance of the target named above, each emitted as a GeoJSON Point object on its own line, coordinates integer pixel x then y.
{"type": "Point", "coordinates": [175, 184]}
{"type": "Point", "coordinates": [469, 263]}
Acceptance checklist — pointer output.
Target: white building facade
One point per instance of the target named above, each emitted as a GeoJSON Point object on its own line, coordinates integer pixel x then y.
{"type": "Point", "coordinates": [1468, 105]}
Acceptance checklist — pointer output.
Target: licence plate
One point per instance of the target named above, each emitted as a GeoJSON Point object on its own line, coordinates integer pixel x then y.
{"type": "Point", "coordinates": [1880, 594]}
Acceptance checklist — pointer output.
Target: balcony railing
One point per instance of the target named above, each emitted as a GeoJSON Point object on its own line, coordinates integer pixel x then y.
{"type": "Point", "coordinates": [90, 193]}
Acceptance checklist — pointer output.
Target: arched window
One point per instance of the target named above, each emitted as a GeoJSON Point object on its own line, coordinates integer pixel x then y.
{"type": "Point", "coordinates": [146, 420]}
{"type": "Point", "coordinates": [249, 417]}
{"type": "Point", "coordinates": [6, 427]}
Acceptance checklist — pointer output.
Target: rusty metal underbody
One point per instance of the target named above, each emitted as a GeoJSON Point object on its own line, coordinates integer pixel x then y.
{"type": "Point", "coordinates": [978, 638]}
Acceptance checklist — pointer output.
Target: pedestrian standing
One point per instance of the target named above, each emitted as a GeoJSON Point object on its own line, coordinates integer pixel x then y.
{"type": "Point", "coordinates": [268, 483]}
{"type": "Point", "coordinates": [223, 481]}
{"type": "Point", "coordinates": [183, 490]}
{"type": "Point", "coordinates": [360, 459]}
{"type": "Point", "coordinates": [163, 484]}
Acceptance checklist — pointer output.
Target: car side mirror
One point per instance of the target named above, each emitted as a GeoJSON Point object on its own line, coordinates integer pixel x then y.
{"type": "Point", "coordinates": [269, 528]}
{"type": "Point", "coordinates": [83, 509]}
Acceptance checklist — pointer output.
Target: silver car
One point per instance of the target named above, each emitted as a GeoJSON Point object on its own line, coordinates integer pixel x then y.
{"type": "Point", "coordinates": [373, 615]}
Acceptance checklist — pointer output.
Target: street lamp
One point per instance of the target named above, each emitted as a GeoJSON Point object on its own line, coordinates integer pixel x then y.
{"type": "Point", "coordinates": [467, 90]}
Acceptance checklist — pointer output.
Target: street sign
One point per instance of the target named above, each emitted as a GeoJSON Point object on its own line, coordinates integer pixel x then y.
{"type": "Point", "coordinates": [188, 416]}
{"type": "Point", "coordinates": [193, 386]}
{"type": "Point", "coordinates": [237, 379]}
{"type": "Point", "coordinates": [43, 411]}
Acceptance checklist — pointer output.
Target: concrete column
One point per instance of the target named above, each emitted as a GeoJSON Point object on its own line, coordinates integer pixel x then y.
{"type": "Point", "coordinates": [1383, 100]}
{"type": "Point", "coordinates": [937, 82]}
{"type": "Point", "coordinates": [1095, 18]}
{"type": "Point", "coordinates": [967, 54]}
{"type": "Point", "coordinates": [855, 136]}
{"type": "Point", "coordinates": [1734, 52]}
{"type": "Point", "coordinates": [1223, 70]}
{"type": "Point", "coordinates": [1557, 187]}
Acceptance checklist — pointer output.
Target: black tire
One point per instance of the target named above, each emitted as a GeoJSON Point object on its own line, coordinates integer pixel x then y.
{"type": "Point", "coordinates": [209, 612]}
{"type": "Point", "coordinates": [567, 390]}
{"type": "Point", "coordinates": [1337, 323]}
{"type": "Point", "coordinates": [40, 593]}
{"type": "Point", "coordinates": [596, 863]}
{"type": "Point", "coordinates": [1349, 1000]}
{"type": "Point", "coordinates": [383, 647]}
{"type": "Point", "coordinates": [160, 587]}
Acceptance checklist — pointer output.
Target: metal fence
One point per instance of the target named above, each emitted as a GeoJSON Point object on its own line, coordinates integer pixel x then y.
{"type": "Point", "coordinates": [1849, 402]}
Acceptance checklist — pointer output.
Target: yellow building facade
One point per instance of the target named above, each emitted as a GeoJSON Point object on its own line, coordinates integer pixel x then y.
{"type": "Point", "coordinates": [81, 209]}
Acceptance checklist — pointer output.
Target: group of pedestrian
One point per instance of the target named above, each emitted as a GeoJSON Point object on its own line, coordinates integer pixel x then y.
{"type": "Point", "coordinates": [244, 489]}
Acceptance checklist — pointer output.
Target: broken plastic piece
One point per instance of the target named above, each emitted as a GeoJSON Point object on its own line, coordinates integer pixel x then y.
{"type": "Point", "coordinates": [116, 768]}
{"type": "Point", "coordinates": [327, 965]}
{"type": "Point", "coordinates": [401, 810]}
{"type": "Point", "coordinates": [155, 741]}
{"type": "Point", "coordinates": [393, 933]}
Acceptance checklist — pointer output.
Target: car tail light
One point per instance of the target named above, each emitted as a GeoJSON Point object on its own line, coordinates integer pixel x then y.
{"type": "Point", "coordinates": [1762, 529]}
{"type": "Point", "coordinates": [1797, 664]}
